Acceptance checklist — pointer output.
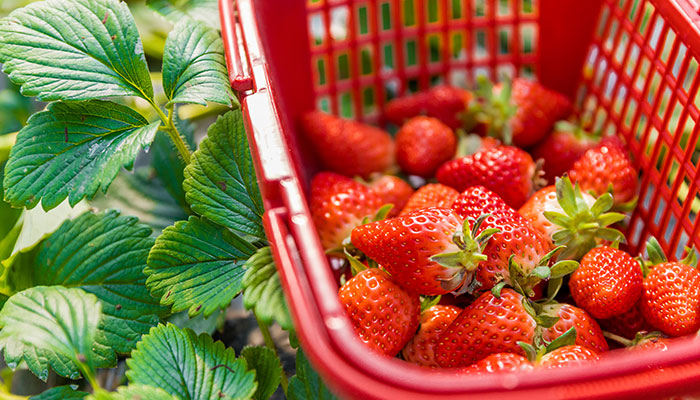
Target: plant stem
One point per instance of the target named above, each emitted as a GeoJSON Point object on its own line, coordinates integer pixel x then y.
{"type": "Point", "coordinates": [89, 375]}
{"type": "Point", "coordinates": [619, 339]}
{"type": "Point", "coordinates": [10, 396]}
{"type": "Point", "coordinates": [271, 345]}
{"type": "Point", "coordinates": [173, 132]}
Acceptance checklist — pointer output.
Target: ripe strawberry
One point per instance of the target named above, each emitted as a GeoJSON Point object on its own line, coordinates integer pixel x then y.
{"type": "Point", "coordinates": [627, 324]}
{"type": "Point", "coordinates": [489, 325]}
{"type": "Point", "coordinates": [654, 342]}
{"type": "Point", "coordinates": [338, 204]}
{"type": "Point", "coordinates": [430, 195]}
{"type": "Point", "coordinates": [433, 321]}
{"type": "Point", "coordinates": [566, 144]}
{"type": "Point", "coordinates": [565, 216]}
{"type": "Point", "coordinates": [429, 251]}
{"type": "Point", "coordinates": [445, 103]}
{"type": "Point", "coordinates": [423, 144]}
{"type": "Point", "coordinates": [383, 314]}
{"type": "Point", "coordinates": [588, 333]}
{"type": "Point", "coordinates": [392, 190]}
{"type": "Point", "coordinates": [521, 112]}
{"type": "Point", "coordinates": [567, 356]}
{"type": "Point", "coordinates": [500, 362]}
{"type": "Point", "coordinates": [670, 300]}
{"type": "Point", "coordinates": [348, 147]}
{"type": "Point", "coordinates": [516, 248]}
{"type": "Point", "coordinates": [607, 283]}
{"type": "Point", "coordinates": [506, 170]}
{"type": "Point", "coordinates": [607, 167]}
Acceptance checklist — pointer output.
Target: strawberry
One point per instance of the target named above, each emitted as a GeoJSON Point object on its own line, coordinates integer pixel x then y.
{"type": "Point", "coordinates": [433, 321]}
{"type": "Point", "coordinates": [567, 356]}
{"type": "Point", "coordinates": [430, 251]}
{"type": "Point", "coordinates": [348, 147]}
{"type": "Point", "coordinates": [520, 112]}
{"type": "Point", "coordinates": [445, 103]}
{"type": "Point", "coordinates": [423, 144]}
{"type": "Point", "coordinates": [565, 216]}
{"type": "Point", "coordinates": [566, 144]}
{"type": "Point", "coordinates": [383, 314]}
{"type": "Point", "coordinates": [517, 248]}
{"type": "Point", "coordinates": [507, 170]}
{"type": "Point", "coordinates": [488, 326]}
{"type": "Point", "coordinates": [607, 283]}
{"type": "Point", "coordinates": [654, 342]}
{"type": "Point", "coordinates": [588, 333]}
{"type": "Point", "coordinates": [500, 362]}
{"type": "Point", "coordinates": [607, 168]}
{"type": "Point", "coordinates": [392, 190]}
{"type": "Point", "coordinates": [670, 300]}
{"type": "Point", "coordinates": [338, 204]}
{"type": "Point", "coordinates": [627, 324]}
{"type": "Point", "coordinates": [430, 195]}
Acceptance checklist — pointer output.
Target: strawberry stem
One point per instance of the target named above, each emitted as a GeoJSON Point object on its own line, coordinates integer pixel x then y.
{"type": "Point", "coordinates": [618, 339]}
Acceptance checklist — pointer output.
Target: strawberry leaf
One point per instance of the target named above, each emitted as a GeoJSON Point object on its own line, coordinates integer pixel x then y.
{"type": "Point", "coordinates": [134, 392]}
{"type": "Point", "coordinates": [206, 11]}
{"type": "Point", "coordinates": [194, 69]}
{"type": "Point", "coordinates": [220, 181]}
{"type": "Point", "coordinates": [268, 369]}
{"type": "Point", "coordinates": [263, 291]}
{"type": "Point", "coordinates": [103, 254]}
{"type": "Point", "coordinates": [306, 384]}
{"type": "Point", "coordinates": [60, 393]}
{"type": "Point", "coordinates": [169, 166]}
{"type": "Point", "coordinates": [72, 150]}
{"type": "Point", "coordinates": [197, 265]}
{"type": "Point", "coordinates": [54, 325]}
{"type": "Point", "coordinates": [189, 366]}
{"type": "Point", "coordinates": [74, 50]}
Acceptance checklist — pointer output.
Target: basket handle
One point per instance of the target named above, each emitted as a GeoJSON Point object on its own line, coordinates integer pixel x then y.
{"type": "Point", "coordinates": [234, 43]}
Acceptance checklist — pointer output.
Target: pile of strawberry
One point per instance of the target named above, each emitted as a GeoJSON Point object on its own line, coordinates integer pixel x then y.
{"type": "Point", "coordinates": [456, 255]}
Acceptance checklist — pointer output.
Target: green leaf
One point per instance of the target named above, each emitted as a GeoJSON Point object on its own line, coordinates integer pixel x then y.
{"type": "Point", "coordinates": [206, 11]}
{"type": "Point", "coordinates": [196, 265]}
{"type": "Point", "coordinates": [8, 215]}
{"type": "Point", "coordinates": [220, 181]}
{"type": "Point", "coordinates": [74, 50]}
{"type": "Point", "coordinates": [262, 290]}
{"type": "Point", "coordinates": [268, 369]}
{"type": "Point", "coordinates": [567, 338]}
{"type": "Point", "coordinates": [72, 150]}
{"type": "Point", "coordinates": [189, 366]}
{"type": "Point", "coordinates": [199, 324]}
{"type": "Point", "coordinates": [60, 393]}
{"type": "Point", "coordinates": [134, 392]}
{"type": "Point", "coordinates": [563, 268]}
{"type": "Point", "coordinates": [194, 69]}
{"type": "Point", "coordinates": [168, 165]}
{"type": "Point", "coordinates": [306, 384]}
{"type": "Point", "coordinates": [103, 254]}
{"type": "Point", "coordinates": [59, 324]}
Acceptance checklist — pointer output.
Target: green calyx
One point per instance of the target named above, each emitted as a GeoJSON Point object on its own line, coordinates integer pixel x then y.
{"type": "Point", "coordinates": [577, 130]}
{"type": "Point", "coordinates": [656, 256]}
{"type": "Point", "coordinates": [582, 226]}
{"type": "Point", "coordinates": [524, 283]}
{"type": "Point", "coordinates": [539, 347]}
{"type": "Point", "coordinates": [471, 244]}
{"type": "Point", "coordinates": [492, 110]}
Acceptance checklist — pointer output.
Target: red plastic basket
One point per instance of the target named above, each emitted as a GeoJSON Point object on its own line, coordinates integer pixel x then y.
{"type": "Point", "coordinates": [630, 65]}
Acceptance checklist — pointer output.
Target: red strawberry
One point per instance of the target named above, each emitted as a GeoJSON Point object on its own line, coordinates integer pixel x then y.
{"type": "Point", "coordinates": [607, 167]}
{"type": "Point", "coordinates": [430, 195]}
{"type": "Point", "coordinates": [348, 147]}
{"type": "Point", "coordinates": [507, 170]}
{"type": "Point", "coordinates": [392, 190]}
{"type": "Point", "coordinates": [588, 333]}
{"type": "Point", "coordinates": [383, 314]}
{"type": "Point", "coordinates": [423, 144]}
{"type": "Point", "coordinates": [516, 244]}
{"type": "Point", "coordinates": [489, 325]}
{"type": "Point", "coordinates": [429, 251]}
{"type": "Point", "coordinates": [521, 112]}
{"type": "Point", "coordinates": [445, 103]}
{"type": "Point", "coordinates": [566, 144]}
{"type": "Point", "coordinates": [607, 283]}
{"type": "Point", "coordinates": [568, 356]}
{"type": "Point", "coordinates": [670, 300]}
{"type": "Point", "coordinates": [627, 324]}
{"type": "Point", "coordinates": [566, 216]}
{"type": "Point", "coordinates": [338, 204]}
{"type": "Point", "coordinates": [500, 362]}
{"type": "Point", "coordinates": [654, 342]}
{"type": "Point", "coordinates": [433, 322]}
